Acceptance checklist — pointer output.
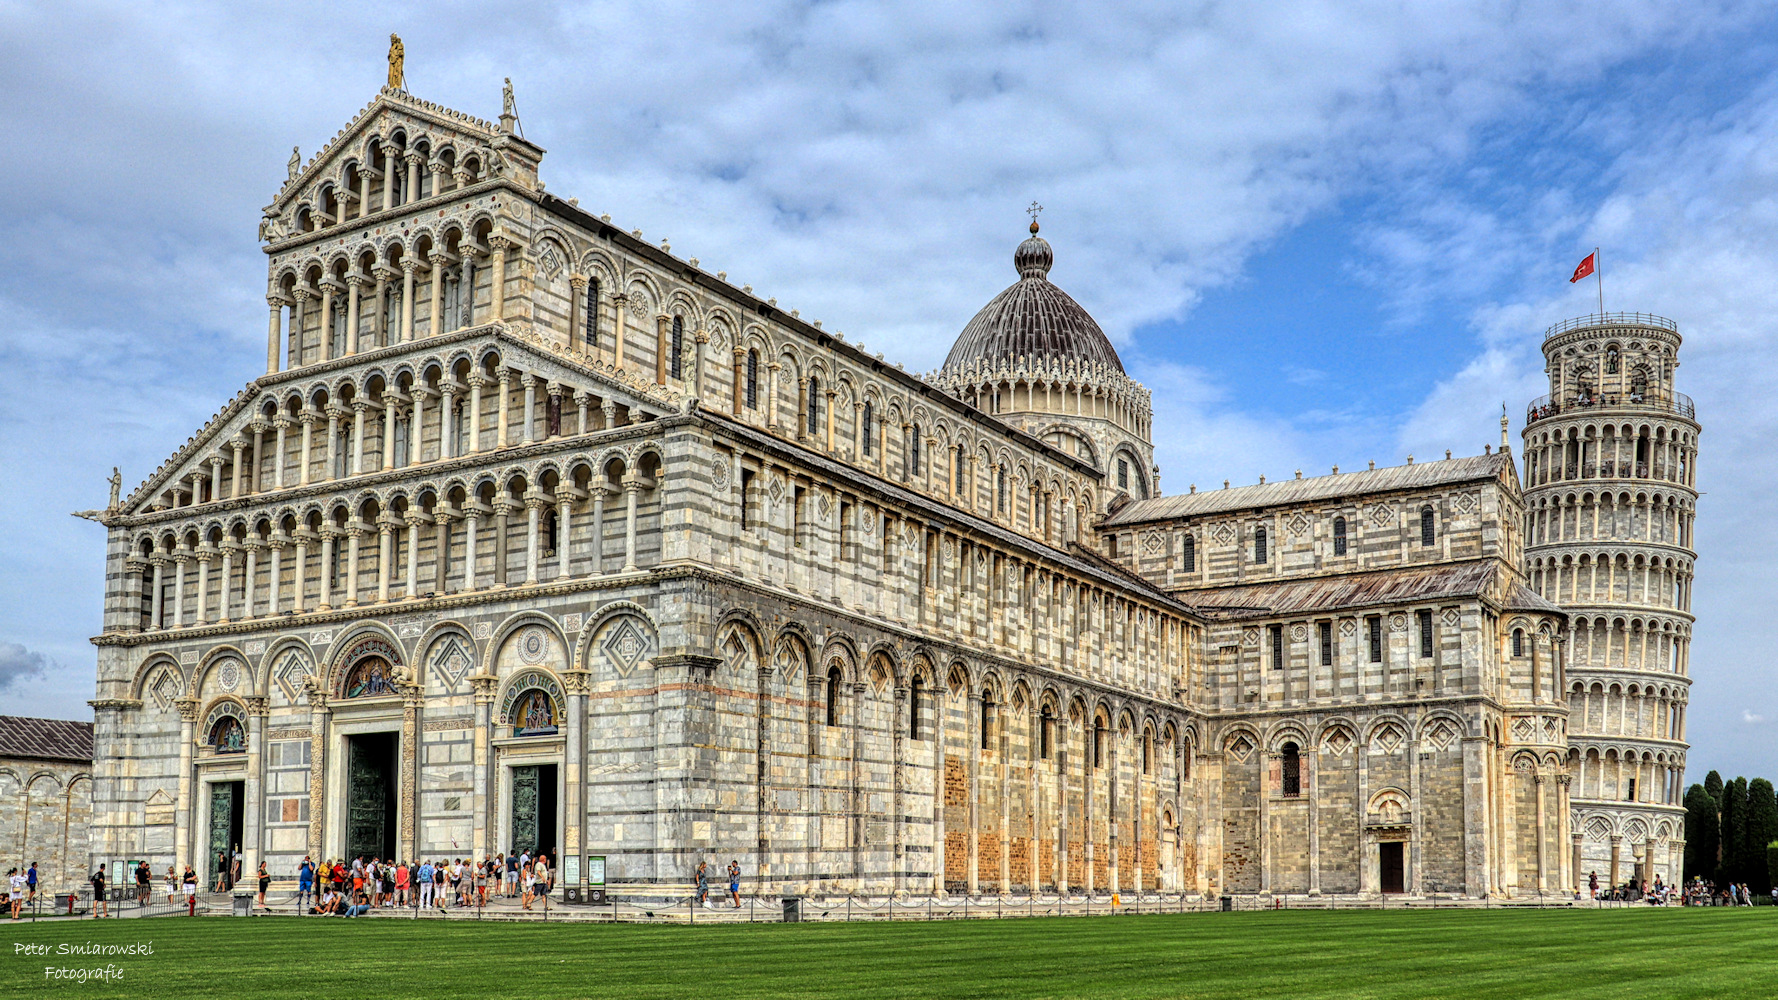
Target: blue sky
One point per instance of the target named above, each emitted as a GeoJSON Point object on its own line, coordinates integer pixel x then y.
{"type": "Point", "coordinates": [1322, 233]}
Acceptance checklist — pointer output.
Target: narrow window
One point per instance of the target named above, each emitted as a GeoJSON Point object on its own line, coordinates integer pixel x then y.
{"type": "Point", "coordinates": [1277, 647]}
{"type": "Point", "coordinates": [752, 379]}
{"type": "Point", "coordinates": [1191, 554]}
{"type": "Point", "coordinates": [1098, 743]}
{"type": "Point", "coordinates": [1518, 642]}
{"type": "Point", "coordinates": [1123, 474]}
{"type": "Point", "coordinates": [1291, 768]}
{"type": "Point", "coordinates": [833, 696]}
{"type": "Point", "coordinates": [1375, 625]}
{"type": "Point", "coordinates": [1147, 753]}
{"type": "Point", "coordinates": [1000, 489]}
{"type": "Point", "coordinates": [914, 452]}
{"type": "Point", "coordinates": [1259, 545]}
{"type": "Point", "coordinates": [1045, 727]}
{"type": "Point", "coordinates": [987, 720]}
{"type": "Point", "coordinates": [1326, 629]}
{"type": "Point", "coordinates": [746, 500]}
{"type": "Point", "coordinates": [846, 530]}
{"type": "Point", "coordinates": [1631, 797]}
{"type": "Point", "coordinates": [959, 476]}
{"type": "Point", "coordinates": [592, 314]}
{"type": "Point", "coordinates": [914, 693]}
{"type": "Point", "coordinates": [549, 531]}
{"type": "Point", "coordinates": [1425, 634]}
{"type": "Point", "coordinates": [1339, 536]}
{"type": "Point", "coordinates": [1426, 527]}
{"type": "Point", "coordinates": [798, 519]}
{"type": "Point", "coordinates": [552, 416]}
{"type": "Point", "coordinates": [674, 363]}
{"type": "Point", "coordinates": [814, 406]}
{"type": "Point", "coordinates": [866, 430]}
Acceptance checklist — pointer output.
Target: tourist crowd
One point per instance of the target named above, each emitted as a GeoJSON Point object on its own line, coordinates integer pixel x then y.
{"type": "Point", "coordinates": [352, 890]}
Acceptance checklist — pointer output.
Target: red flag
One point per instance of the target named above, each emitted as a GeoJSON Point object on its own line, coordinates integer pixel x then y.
{"type": "Point", "coordinates": [1585, 268]}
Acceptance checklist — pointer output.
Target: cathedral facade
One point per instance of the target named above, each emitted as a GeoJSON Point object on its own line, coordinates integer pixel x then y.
{"type": "Point", "coordinates": [533, 535]}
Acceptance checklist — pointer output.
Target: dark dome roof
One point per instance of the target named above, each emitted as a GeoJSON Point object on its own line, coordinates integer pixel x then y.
{"type": "Point", "coordinates": [1033, 318]}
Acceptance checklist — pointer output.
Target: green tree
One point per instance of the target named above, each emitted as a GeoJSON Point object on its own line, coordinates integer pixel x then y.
{"type": "Point", "coordinates": [1701, 832]}
{"type": "Point", "coordinates": [1734, 830]}
{"type": "Point", "coordinates": [1762, 829]}
{"type": "Point", "coordinates": [1713, 785]}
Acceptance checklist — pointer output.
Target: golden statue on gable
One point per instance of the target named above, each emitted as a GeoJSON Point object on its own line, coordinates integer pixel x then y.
{"type": "Point", "coordinates": [396, 55]}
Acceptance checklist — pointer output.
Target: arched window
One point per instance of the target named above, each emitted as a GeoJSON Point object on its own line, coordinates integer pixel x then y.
{"type": "Point", "coordinates": [1339, 536]}
{"type": "Point", "coordinates": [1518, 642]}
{"type": "Point", "coordinates": [1000, 489]}
{"type": "Point", "coordinates": [1611, 360]}
{"type": "Point", "coordinates": [1123, 474]}
{"type": "Point", "coordinates": [1292, 771]}
{"type": "Point", "coordinates": [1098, 743]}
{"type": "Point", "coordinates": [550, 528]}
{"type": "Point", "coordinates": [1259, 545]}
{"type": "Point", "coordinates": [833, 696]}
{"type": "Point", "coordinates": [914, 452]}
{"type": "Point", "coordinates": [1427, 534]}
{"type": "Point", "coordinates": [814, 405]}
{"type": "Point", "coordinates": [915, 692]}
{"type": "Point", "coordinates": [987, 720]}
{"type": "Point", "coordinates": [960, 475]}
{"type": "Point", "coordinates": [1147, 752]}
{"type": "Point", "coordinates": [866, 429]}
{"type": "Point", "coordinates": [1191, 554]}
{"type": "Point", "coordinates": [752, 379]}
{"type": "Point", "coordinates": [674, 362]}
{"type": "Point", "coordinates": [1046, 726]}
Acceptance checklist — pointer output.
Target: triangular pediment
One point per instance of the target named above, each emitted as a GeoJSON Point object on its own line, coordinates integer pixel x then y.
{"type": "Point", "coordinates": [234, 418]}
{"type": "Point", "coordinates": [394, 121]}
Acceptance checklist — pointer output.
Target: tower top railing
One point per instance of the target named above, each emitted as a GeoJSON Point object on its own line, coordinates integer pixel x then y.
{"type": "Point", "coordinates": [1612, 319]}
{"type": "Point", "coordinates": [1544, 407]}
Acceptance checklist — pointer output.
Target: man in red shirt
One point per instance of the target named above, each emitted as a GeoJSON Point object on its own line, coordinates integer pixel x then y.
{"type": "Point", "coordinates": [401, 876]}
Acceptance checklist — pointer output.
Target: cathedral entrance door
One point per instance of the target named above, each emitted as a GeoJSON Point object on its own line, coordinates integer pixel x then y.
{"type": "Point", "coordinates": [370, 796]}
{"type": "Point", "coordinates": [1390, 867]}
{"type": "Point", "coordinates": [534, 810]}
{"type": "Point", "coordinates": [228, 801]}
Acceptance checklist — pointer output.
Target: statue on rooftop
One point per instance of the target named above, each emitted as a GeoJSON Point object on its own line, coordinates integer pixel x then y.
{"type": "Point", "coordinates": [396, 55]}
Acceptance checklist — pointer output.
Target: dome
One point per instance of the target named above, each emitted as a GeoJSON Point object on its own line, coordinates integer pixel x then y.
{"type": "Point", "coordinates": [1032, 318]}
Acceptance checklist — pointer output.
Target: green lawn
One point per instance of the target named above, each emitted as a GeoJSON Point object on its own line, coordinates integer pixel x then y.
{"type": "Point", "coordinates": [1467, 954]}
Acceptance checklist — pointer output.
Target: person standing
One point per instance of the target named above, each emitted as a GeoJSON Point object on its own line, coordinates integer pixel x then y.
{"type": "Point", "coordinates": [734, 882]}
{"type": "Point", "coordinates": [144, 880]}
{"type": "Point", "coordinates": [15, 891]}
{"type": "Point", "coordinates": [402, 876]}
{"type": "Point", "coordinates": [703, 883]}
{"type": "Point", "coordinates": [100, 908]}
{"type": "Point", "coordinates": [543, 883]}
{"type": "Point", "coordinates": [425, 883]}
{"type": "Point", "coordinates": [265, 882]}
{"type": "Point", "coordinates": [305, 883]}
{"type": "Point", "coordinates": [172, 885]}
{"type": "Point", "coordinates": [512, 877]}
{"type": "Point", "coordinates": [191, 889]}
{"type": "Point", "coordinates": [31, 884]}
{"type": "Point", "coordinates": [1593, 885]}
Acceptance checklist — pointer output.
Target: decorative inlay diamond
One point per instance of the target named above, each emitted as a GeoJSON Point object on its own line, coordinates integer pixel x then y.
{"type": "Point", "coordinates": [1250, 637]}
{"type": "Point", "coordinates": [1451, 618]}
{"type": "Point", "coordinates": [626, 645]}
{"type": "Point", "coordinates": [1224, 533]}
{"type": "Point", "coordinates": [1463, 503]}
{"type": "Point", "coordinates": [451, 661]}
{"type": "Point", "coordinates": [1154, 542]}
{"type": "Point", "coordinates": [1388, 739]}
{"type": "Point", "coordinates": [1522, 730]}
{"type": "Point", "coordinates": [1299, 524]}
{"type": "Point", "coordinates": [1338, 741]}
{"type": "Point", "coordinates": [1382, 515]}
{"type": "Point", "coordinates": [1348, 628]}
{"type": "Point", "coordinates": [1442, 734]}
{"type": "Point", "coordinates": [1240, 747]}
{"type": "Point", "coordinates": [776, 491]}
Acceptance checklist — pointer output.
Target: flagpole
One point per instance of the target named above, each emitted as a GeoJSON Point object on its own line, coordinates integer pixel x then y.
{"type": "Point", "coordinates": [1599, 273]}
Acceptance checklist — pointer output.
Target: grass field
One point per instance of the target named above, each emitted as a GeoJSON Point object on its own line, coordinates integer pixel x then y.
{"type": "Point", "coordinates": [1468, 954]}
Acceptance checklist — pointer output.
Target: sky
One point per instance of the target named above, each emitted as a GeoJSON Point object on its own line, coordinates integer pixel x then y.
{"type": "Point", "coordinates": [1321, 233]}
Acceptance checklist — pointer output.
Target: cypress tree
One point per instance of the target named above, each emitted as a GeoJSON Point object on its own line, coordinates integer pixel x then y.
{"type": "Point", "coordinates": [1713, 785]}
{"type": "Point", "coordinates": [1762, 829]}
{"type": "Point", "coordinates": [1700, 834]}
{"type": "Point", "coordinates": [1734, 833]}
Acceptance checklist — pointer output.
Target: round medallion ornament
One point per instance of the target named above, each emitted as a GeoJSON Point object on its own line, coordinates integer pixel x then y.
{"type": "Point", "coordinates": [719, 475]}
{"type": "Point", "coordinates": [533, 646]}
{"type": "Point", "coordinates": [229, 677]}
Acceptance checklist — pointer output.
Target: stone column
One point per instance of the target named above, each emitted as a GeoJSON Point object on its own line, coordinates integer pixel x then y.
{"type": "Point", "coordinates": [359, 406]}
{"type": "Point", "coordinates": [632, 486]}
{"type": "Point", "coordinates": [441, 564]}
{"type": "Point", "coordinates": [391, 400]}
{"type": "Point", "coordinates": [533, 509]}
{"type": "Point", "coordinates": [575, 683]}
{"type": "Point", "coordinates": [802, 402]}
{"type": "Point", "coordinates": [447, 418]}
{"type": "Point", "coordinates": [408, 791]}
{"type": "Point", "coordinates": [412, 194]}
{"type": "Point", "coordinates": [159, 562]}
{"type": "Point", "coordinates": [529, 433]}
{"type": "Point", "coordinates": [298, 584]}
{"type": "Point", "coordinates": [294, 338]}
{"type": "Point", "coordinates": [379, 328]}
{"type": "Point", "coordinates": [772, 396]}
{"type": "Point", "coordinates": [740, 358]}
{"type": "Point", "coordinates": [414, 519]}
{"type": "Point", "coordinates": [497, 290]}
{"type": "Point", "coordinates": [354, 536]}
{"type": "Point", "coordinates": [251, 577]}
{"type": "Point", "coordinates": [205, 553]}
{"type": "Point", "coordinates": [354, 282]}
{"type": "Point", "coordinates": [503, 404]}
{"type": "Point", "coordinates": [662, 347]}
{"type": "Point", "coordinates": [408, 267]}
{"type": "Point", "coordinates": [435, 301]}
{"type": "Point", "coordinates": [485, 685]}
{"type": "Point", "coordinates": [181, 557]}
{"type": "Point", "coordinates": [598, 490]}
{"type": "Point", "coordinates": [582, 400]}
{"type": "Point", "coordinates": [416, 424]}
{"type": "Point", "coordinates": [830, 398]}
{"type": "Point", "coordinates": [188, 717]}
{"type": "Point", "coordinates": [556, 391]}
{"type": "Point", "coordinates": [1617, 844]}
{"type": "Point", "coordinates": [274, 332]}
{"type": "Point", "coordinates": [476, 381]}
{"type": "Point", "coordinates": [564, 511]}
{"type": "Point", "coordinates": [318, 717]}
{"type": "Point", "coordinates": [471, 518]}
{"type": "Point", "coordinates": [282, 424]}
{"type": "Point", "coordinates": [618, 323]}
{"type": "Point", "coordinates": [225, 599]}
{"type": "Point", "coordinates": [238, 445]}
{"type": "Point", "coordinates": [1578, 862]}
{"type": "Point", "coordinates": [385, 554]}
{"type": "Point", "coordinates": [699, 339]}
{"type": "Point", "coordinates": [576, 296]}
{"type": "Point", "coordinates": [329, 536]}
{"type": "Point", "coordinates": [328, 284]}
{"type": "Point", "coordinates": [253, 816]}
{"type": "Point", "coordinates": [277, 570]}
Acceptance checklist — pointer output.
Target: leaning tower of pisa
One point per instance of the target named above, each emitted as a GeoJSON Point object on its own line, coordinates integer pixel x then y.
{"type": "Point", "coordinates": [1610, 493]}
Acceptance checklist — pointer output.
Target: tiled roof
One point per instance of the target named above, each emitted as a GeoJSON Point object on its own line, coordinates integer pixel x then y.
{"type": "Point", "coordinates": [46, 739]}
{"type": "Point", "coordinates": [1347, 484]}
{"type": "Point", "coordinates": [1359, 590]}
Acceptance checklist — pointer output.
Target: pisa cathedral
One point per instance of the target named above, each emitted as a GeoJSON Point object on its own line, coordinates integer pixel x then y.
{"type": "Point", "coordinates": [534, 535]}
